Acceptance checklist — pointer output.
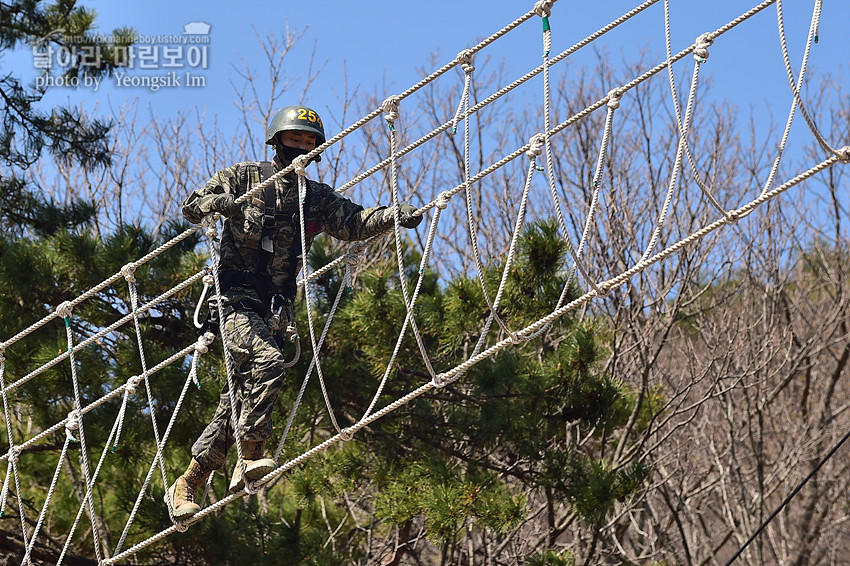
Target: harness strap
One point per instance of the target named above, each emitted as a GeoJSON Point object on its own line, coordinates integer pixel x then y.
{"type": "Point", "coordinates": [270, 198]}
{"type": "Point", "coordinates": [212, 322]}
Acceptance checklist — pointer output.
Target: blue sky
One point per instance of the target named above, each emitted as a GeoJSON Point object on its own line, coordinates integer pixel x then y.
{"type": "Point", "coordinates": [382, 44]}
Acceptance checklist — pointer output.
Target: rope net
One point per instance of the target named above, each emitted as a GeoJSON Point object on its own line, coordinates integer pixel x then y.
{"type": "Point", "coordinates": [536, 160]}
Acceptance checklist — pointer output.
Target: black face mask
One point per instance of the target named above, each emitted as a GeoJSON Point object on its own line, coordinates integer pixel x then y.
{"type": "Point", "coordinates": [287, 154]}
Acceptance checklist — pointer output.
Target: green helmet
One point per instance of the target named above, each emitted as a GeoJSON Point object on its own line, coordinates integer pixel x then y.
{"type": "Point", "coordinates": [298, 118]}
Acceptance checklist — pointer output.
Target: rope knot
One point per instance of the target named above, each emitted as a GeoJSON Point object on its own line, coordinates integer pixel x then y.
{"type": "Point", "coordinates": [536, 143]}
{"type": "Point", "coordinates": [210, 225]}
{"type": "Point", "coordinates": [438, 381]}
{"type": "Point", "coordinates": [442, 201]}
{"type": "Point", "coordinates": [300, 165]}
{"type": "Point", "coordinates": [292, 332]}
{"type": "Point", "coordinates": [701, 46]}
{"type": "Point", "coordinates": [202, 346]}
{"type": "Point", "coordinates": [390, 108]}
{"type": "Point", "coordinates": [208, 280]}
{"type": "Point", "coordinates": [614, 96]}
{"type": "Point", "coordinates": [64, 310]}
{"type": "Point", "coordinates": [73, 423]}
{"type": "Point", "coordinates": [128, 271]}
{"type": "Point", "coordinates": [346, 434]}
{"type": "Point", "coordinates": [132, 383]}
{"type": "Point", "coordinates": [844, 154]}
{"type": "Point", "coordinates": [2, 352]}
{"type": "Point", "coordinates": [464, 59]}
{"type": "Point", "coordinates": [543, 7]}
{"type": "Point", "coordinates": [353, 255]}
{"type": "Point", "coordinates": [603, 289]}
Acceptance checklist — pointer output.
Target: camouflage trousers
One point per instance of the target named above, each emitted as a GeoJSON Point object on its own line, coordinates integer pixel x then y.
{"type": "Point", "coordinates": [257, 378]}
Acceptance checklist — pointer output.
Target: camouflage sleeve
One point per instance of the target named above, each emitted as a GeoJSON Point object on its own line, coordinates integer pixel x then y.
{"type": "Point", "coordinates": [215, 196]}
{"type": "Point", "coordinates": [348, 221]}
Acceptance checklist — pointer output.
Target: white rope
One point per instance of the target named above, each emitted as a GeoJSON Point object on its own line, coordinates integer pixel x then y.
{"type": "Point", "coordinates": [128, 272]}
{"type": "Point", "coordinates": [73, 420]}
{"type": "Point", "coordinates": [129, 391]}
{"type": "Point", "coordinates": [211, 231]}
{"type": "Point", "coordinates": [12, 453]}
{"type": "Point", "coordinates": [346, 279]}
{"type": "Point", "coordinates": [64, 311]}
{"type": "Point", "coordinates": [535, 148]}
{"type": "Point", "coordinates": [200, 347]}
{"type": "Point", "coordinates": [550, 169]}
{"type": "Point", "coordinates": [464, 59]}
{"type": "Point", "coordinates": [543, 7]}
{"type": "Point", "coordinates": [408, 303]}
{"type": "Point", "coordinates": [471, 222]}
{"type": "Point", "coordinates": [50, 490]}
{"type": "Point", "coordinates": [391, 104]}
{"type": "Point", "coordinates": [701, 53]}
{"type": "Point", "coordinates": [408, 319]}
{"type": "Point", "coordinates": [795, 89]}
{"type": "Point", "coordinates": [683, 135]}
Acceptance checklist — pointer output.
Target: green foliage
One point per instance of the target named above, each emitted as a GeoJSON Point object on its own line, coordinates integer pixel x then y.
{"type": "Point", "coordinates": [591, 485]}
{"type": "Point", "coordinates": [464, 457]}
{"type": "Point", "coordinates": [39, 273]}
{"type": "Point", "coordinates": [552, 558]}
{"type": "Point", "coordinates": [467, 457]}
{"type": "Point", "coordinates": [449, 500]}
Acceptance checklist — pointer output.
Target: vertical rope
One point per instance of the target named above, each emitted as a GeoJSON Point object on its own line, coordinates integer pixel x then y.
{"type": "Point", "coordinates": [201, 347]}
{"type": "Point", "coordinates": [353, 251]}
{"type": "Point", "coordinates": [435, 220]}
{"type": "Point", "coordinates": [392, 114]}
{"type": "Point", "coordinates": [74, 422]}
{"type": "Point", "coordinates": [50, 490]}
{"type": "Point", "coordinates": [683, 134]}
{"type": "Point", "coordinates": [64, 312]}
{"type": "Point", "coordinates": [578, 264]}
{"type": "Point", "coordinates": [471, 220]}
{"type": "Point", "coordinates": [613, 103]}
{"type": "Point", "coordinates": [795, 89]}
{"type": "Point", "coordinates": [13, 452]}
{"type": "Point", "coordinates": [300, 165]}
{"type": "Point", "coordinates": [129, 274]}
{"type": "Point", "coordinates": [533, 152]}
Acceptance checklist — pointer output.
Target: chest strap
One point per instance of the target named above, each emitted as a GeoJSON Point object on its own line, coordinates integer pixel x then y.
{"type": "Point", "coordinates": [270, 199]}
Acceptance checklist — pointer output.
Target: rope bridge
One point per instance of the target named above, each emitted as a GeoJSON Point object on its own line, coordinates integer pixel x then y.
{"type": "Point", "coordinates": [539, 147]}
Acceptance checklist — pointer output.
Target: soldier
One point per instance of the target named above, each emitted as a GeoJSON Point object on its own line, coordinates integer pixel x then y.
{"type": "Point", "coordinates": [260, 257]}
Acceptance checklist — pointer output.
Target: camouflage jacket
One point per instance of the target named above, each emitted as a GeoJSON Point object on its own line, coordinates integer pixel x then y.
{"type": "Point", "coordinates": [241, 251]}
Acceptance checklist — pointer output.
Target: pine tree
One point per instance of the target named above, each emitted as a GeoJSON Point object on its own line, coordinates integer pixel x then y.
{"type": "Point", "coordinates": [470, 455]}
{"type": "Point", "coordinates": [65, 133]}
{"type": "Point", "coordinates": [39, 273]}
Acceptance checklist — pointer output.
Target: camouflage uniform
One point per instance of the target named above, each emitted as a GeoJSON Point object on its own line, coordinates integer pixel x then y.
{"type": "Point", "coordinates": [252, 276]}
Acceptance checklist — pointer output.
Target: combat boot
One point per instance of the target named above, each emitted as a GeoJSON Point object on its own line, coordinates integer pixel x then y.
{"type": "Point", "coordinates": [184, 491]}
{"type": "Point", "coordinates": [256, 464]}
